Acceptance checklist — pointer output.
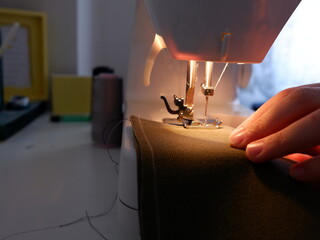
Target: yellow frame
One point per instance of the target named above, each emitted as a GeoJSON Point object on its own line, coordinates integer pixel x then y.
{"type": "Point", "coordinates": [36, 23]}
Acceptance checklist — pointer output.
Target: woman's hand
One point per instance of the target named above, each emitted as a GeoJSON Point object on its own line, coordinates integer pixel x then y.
{"type": "Point", "coordinates": [287, 125]}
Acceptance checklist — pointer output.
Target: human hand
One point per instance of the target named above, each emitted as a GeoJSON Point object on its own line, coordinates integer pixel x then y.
{"type": "Point", "coordinates": [288, 125]}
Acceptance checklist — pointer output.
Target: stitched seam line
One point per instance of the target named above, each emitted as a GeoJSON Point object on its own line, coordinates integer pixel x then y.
{"type": "Point", "coordinates": [154, 179]}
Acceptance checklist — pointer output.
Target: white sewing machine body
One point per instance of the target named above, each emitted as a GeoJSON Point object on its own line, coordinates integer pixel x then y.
{"type": "Point", "coordinates": [199, 30]}
{"type": "Point", "coordinates": [168, 74]}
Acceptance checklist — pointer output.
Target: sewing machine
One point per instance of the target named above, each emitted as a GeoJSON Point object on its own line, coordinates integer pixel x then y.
{"type": "Point", "coordinates": [199, 39]}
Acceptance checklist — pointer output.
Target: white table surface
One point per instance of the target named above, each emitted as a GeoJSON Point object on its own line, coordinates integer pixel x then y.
{"type": "Point", "coordinates": [50, 174]}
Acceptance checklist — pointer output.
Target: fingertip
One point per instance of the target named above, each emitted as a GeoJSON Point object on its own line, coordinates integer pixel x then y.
{"type": "Point", "coordinates": [237, 137]}
{"type": "Point", "coordinates": [254, 151]}
{"type": "Point", "coordinates": [298, 172]}
{"type": "Point", "coordinates": [306, 171]}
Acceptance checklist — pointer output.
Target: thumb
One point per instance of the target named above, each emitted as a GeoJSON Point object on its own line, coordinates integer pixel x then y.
{"type": "Point", "coordinates": [307, 171]}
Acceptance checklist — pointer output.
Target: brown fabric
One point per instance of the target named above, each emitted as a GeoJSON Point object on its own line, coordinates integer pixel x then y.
{"type": "Point", "coordinates": [192, 185]}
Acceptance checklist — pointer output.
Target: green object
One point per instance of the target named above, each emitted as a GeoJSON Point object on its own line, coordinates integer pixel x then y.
{"type": "Point", "coordinates": [75, 118]}
{"type": "Point", "coordinates": [70, 118]}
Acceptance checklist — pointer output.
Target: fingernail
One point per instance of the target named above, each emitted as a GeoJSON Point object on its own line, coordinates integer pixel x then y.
{"type": "Point", "coordinates": [254, 149]}
{"type": "Point", "coordinates": [297, 172]}
{"type": "Point", "coordinates": [237, 137]}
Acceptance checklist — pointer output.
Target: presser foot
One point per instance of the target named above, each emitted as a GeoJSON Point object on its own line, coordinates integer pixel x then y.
{"type": "Point", "coordinates": [185, 116]}
{"type": "Point", "coordinates": [195, 124]}
{"type": "Point", "coordinates": [172, 121]}
{"type": "Point", "coordinates": [204, 124]}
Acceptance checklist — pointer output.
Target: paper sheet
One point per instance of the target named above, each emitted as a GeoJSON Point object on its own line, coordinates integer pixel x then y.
{"type": "Point", "coordinates": [16, 59]}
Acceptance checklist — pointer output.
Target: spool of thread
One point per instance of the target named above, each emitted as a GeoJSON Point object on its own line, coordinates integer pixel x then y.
{"type": "Point", "coordinates": [107, 110]}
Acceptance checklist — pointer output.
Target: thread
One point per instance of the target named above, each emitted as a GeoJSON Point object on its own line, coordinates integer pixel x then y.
{"type": "Point", "coordinates": [94, 228]}
{"type": "Point", "coordinates": [128, 206]}
{"type": "Point", "coordinates": [107, 140]}
{"type": "Point", "coordinates": [87, 217]}
{"type": "Point", "coordinates": [221, 75]}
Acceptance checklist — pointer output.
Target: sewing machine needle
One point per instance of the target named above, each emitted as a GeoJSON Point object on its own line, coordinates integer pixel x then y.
{"type": "Point", "coordinates": [206, 112]}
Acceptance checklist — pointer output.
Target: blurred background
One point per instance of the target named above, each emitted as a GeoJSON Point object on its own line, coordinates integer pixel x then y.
{"type": "Point", "coordinates": [83, 34]}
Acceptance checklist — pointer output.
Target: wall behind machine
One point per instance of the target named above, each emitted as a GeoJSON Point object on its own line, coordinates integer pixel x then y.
{"type": "Point", "coordinates": [104, 34]}
{"type": "Point", "coordinates": [84, 33]}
